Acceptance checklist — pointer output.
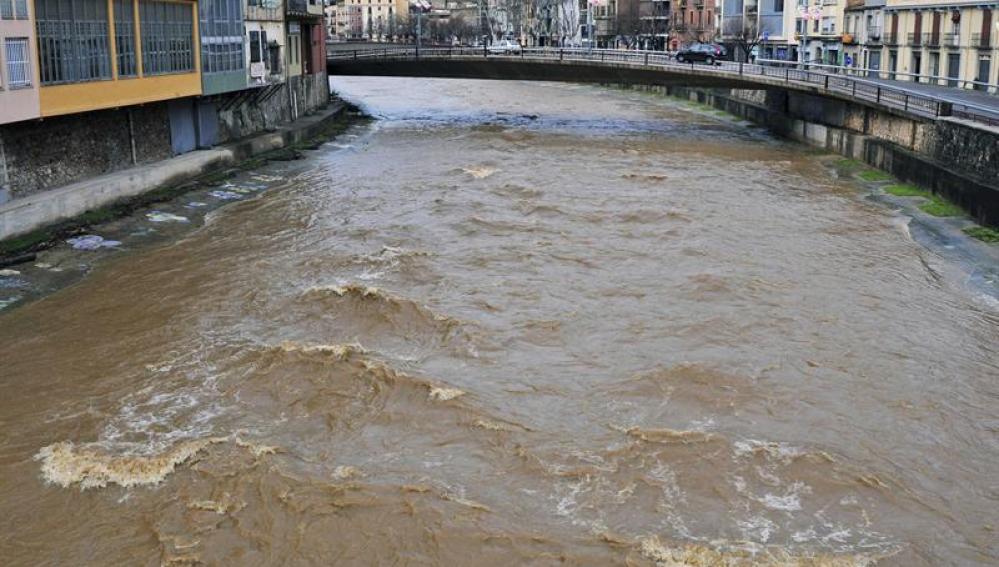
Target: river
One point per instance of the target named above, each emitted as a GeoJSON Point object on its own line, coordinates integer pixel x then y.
{"type": "Point", "coordinates": [513, 323]}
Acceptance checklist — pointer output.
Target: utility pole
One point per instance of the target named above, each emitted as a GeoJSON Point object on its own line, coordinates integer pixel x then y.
{"type": "Point", "coordinates": [589, 24]}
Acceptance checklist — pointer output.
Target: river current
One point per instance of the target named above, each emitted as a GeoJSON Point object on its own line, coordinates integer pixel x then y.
{"type": "Point", "coordinates": [513, 323]}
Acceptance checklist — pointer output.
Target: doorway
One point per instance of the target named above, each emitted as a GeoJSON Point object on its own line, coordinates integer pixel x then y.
{"type": "Point", "coordinates": [953, 69]}
{"type": "Point", "coordinates": [984, 68]}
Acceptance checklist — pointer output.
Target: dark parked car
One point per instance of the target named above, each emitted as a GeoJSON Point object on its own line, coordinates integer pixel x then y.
{"type": "Point", "coordinates": [698, 52]}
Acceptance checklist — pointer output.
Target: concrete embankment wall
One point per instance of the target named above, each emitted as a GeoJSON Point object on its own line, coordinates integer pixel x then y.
{"type": "Point", "coordinates": [61, 167]}
{"type": "Point", "coordinates": [99, 158]}
{"type": "Point", "coordinates": [40, 155]}
{"type": "Point", "coordinates": [951, 157]}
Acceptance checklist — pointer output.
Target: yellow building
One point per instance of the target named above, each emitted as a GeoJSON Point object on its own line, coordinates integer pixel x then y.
{"type": "Point", "coordinates": [95, 54]}
{"type": "Point", "coordinates": [953, 43]}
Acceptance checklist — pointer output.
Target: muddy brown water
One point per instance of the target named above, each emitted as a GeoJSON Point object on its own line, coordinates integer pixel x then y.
{"type": "Point", "coordinates": [513, 324]}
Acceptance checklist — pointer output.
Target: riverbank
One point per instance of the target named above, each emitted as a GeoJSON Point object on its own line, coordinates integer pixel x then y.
{"type": "Point", "coordinates": [30, 223]}
{"type": "Point", "coordinates": [46, 259]}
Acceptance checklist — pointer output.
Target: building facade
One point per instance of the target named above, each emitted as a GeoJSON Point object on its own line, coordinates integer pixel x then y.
{"type": "Point", "coordinates": [952, 43]}
{"type": "Point", "coordinates": [371, 20]}
{"type": "Point", "coordinates": [124, 82]}
{"type": "Point", "coordinates": [95, 54]}
{"type": "Point", "coordinates": [19, 70]}
{"type": "Point", "coordinates": [693, 20]}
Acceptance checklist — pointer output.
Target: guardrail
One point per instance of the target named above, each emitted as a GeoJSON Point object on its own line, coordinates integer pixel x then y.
{"type": "Point", "coordinates": [862, 72]}
{"type": "Point", "coordinates": [888, 96]}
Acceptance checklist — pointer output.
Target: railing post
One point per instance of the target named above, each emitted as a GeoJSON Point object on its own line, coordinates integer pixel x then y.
{"type": "Point", "coordinates": [944, 109]}
{"type": "Point", "coordinates": [878, 98]}
{"type": "Point", "coordinates": [787, 74]}
{"type": "Point", "coordinates": [827, 82]}
{"type": "Point", "coordinates": [560, 54]}
{"type": "Point", "coordinates": [485, 50]}
{"type": "Point", "coordinates": [646, 59]}
{"type": "Point", "coordinates": [906, 102]}
{"type": "Point", "coordinates": [740, 67]}
{"type": "Point", "coordinates": [854, 89]}
{"type": "Point", "coordinates": [355, 54]}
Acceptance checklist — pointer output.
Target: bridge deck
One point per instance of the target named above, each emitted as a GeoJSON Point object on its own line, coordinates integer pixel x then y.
{"type": "Point", "coordinates": [606, 65]}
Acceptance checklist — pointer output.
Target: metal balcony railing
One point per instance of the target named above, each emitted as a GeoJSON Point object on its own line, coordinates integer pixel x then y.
{"type": "Point", "coordinates": [931, 39]}
{"type": "Point", "coordinates": [981, 41]}
{"type": "Point", "coordinates": [952, 40]}
{"type": "Point", "coordinates": [891, 38]}
{"type": "Point", "coordinates": [915, 39]}
{"type": "Point", "coordinates": [873, 34]}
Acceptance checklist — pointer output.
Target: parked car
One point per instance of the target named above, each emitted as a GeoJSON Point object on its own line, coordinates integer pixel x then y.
{"type": "Point", "coordinates": [505, 46]}
{"type": "Point", "coordinates": [698, 52]}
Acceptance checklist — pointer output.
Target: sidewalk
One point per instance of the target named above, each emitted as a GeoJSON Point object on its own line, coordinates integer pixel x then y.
{"type": "Point", "coordinates": [20, 216]}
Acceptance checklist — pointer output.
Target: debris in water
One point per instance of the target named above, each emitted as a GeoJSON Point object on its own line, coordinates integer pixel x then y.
{"type": "Point", "coordinates": [196, 205]}
{"type": "Point", "coordinates": [8, 301]}
{"type": "Point", "coordinates": [92, 242]}
{"type": "Point", "coordinates": [225, 195]}
{"type": "Point", "coordinates": [7, 273]}
{"type": "Point", "coordinates": [47, 266]}
{"type": "Point", "coordinates": [158, 216]}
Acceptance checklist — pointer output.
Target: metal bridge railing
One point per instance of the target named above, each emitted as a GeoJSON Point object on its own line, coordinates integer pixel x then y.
{"type": "Point", "coordinates": [852, 87]}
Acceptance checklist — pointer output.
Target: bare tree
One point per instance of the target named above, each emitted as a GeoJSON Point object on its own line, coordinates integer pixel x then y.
{"type": "Point", "coordinates": [744, 32]}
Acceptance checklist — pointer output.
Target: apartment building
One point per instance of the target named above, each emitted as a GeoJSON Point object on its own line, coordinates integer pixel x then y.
{"type": "Point", "coordinates": [863, 34]}
{"type": "Point", "coordinates": [373, 20]}
{"type": "Point", "coordinates": [693, 20]}
{"type": "Point", "coordinates": [769, 25]}
{"type": "Point", "coordinates": [223, 50]}
{"type": "Point", "coordinates": [123, 82]}
{"type": "Point", "coordinates": [950, 43]}
{"type": "Point", "coordinates": [95, 54]}
{"type": "Point", "coordinates": [18, 72]}
{"type": "Point", "coordinates": [819, 31]}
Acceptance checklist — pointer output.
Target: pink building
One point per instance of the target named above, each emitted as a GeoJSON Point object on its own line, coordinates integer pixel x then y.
{"type": "Point", "coordinates": [18, 71]}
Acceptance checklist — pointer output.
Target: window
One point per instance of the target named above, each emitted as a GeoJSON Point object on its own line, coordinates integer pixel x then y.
{"type": "Point", "coordinates": [256, 43]}
{"type": "Point", "coordinates": [18, 66]}
{"type": "Point", "coordinates": [167, 37]}
{"type": "Point", "coordinates": [14, 9]}
{"type": "Point", "coordinates": [274, 53]}
{"type": "Point", "coordinates": [124, 37]}
{"type": "Point", "coordinates": [221, 36]}
{"type": "Point", "coordinates": [72, 40]}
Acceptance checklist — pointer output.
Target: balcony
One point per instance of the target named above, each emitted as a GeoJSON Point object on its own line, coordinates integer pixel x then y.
{"type": "Point", "coordinates": [874, 34]}
{"type": "Point", "coordinates": [981, 41]}
{"type": "Point", "coordinates": [931, 39]}
{"type": "Point", "coordinates": [915, 39]}
{"type": "Point", "coordinates": [891, 38]}
{"type": "Point", "coordinates": [952, 39]}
